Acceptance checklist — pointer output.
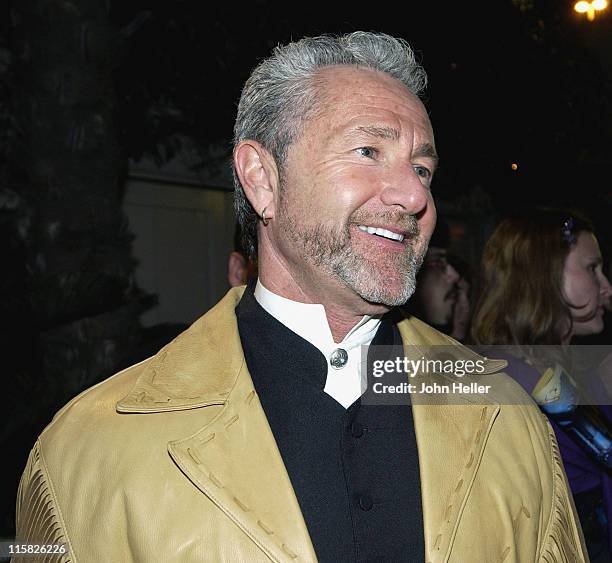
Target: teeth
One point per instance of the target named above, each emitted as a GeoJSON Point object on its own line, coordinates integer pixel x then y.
{"type": "Point", "coordinates": [381, 232]}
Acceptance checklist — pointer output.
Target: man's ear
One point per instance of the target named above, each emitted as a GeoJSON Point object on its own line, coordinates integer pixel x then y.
{"type": "Point", "coordinates": [258, 175]}
{"type": "Point", "coordinates": [236, 269]}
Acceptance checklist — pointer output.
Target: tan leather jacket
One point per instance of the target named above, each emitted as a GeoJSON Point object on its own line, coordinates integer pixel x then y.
{"type": "Point", "coordinates": [173, 460]}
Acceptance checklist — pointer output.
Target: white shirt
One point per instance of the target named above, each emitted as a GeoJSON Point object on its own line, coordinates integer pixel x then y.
{"type": "Point", "coordinates": [309, 321]}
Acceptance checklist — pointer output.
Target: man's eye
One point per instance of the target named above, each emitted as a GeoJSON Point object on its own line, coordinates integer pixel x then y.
{"type": "Point", "coordinates": [368, 152]}
{"type": "Point", "coordinates": [423, 172]}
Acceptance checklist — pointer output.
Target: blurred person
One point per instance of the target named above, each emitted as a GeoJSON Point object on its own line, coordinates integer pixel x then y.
{"type": "Point", "coordinates": [459, 326]}
{"type": "Point", "coordinates": [604, 337]}
{"type": "Point", "coordinates": [436, 291]}
{"type": "Point", "coordinates": [441, 296]}
{"type": "Point", "coordinates": [605, 368]}
{"type": "Point", "coordinates": [237, 266]}
{"type": "Point", "coordinates": [602, 358]}
{"type": "Point", "coordinates": [240, 268]}
{"type": "Point", "coordinates": [543, 284]}
{"type": "Point", "coordinates": [245, 439]}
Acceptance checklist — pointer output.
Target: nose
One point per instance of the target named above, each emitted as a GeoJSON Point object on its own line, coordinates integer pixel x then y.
{"type": "Point", "coordinates": [404, 188]}
{"type": "Point", "coordinates": [451, 274]}
{"type": "Point", "coordinates": [604, 286]}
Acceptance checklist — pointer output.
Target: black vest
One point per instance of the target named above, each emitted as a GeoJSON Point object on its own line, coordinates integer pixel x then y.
{"type": "Point", "coordinates": [355, 471]}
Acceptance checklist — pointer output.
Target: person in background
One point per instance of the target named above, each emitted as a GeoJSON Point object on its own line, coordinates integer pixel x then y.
{"type": "Point", "coordinates": [543, 284]}
{"type": "Point", "coordinates": [604, 337]}
{"type": "Point", "coordinates": [240, 268]}
{"type": "Point", "coordinates": [441, 297]}
{"type": "Point", "coordinates": [459, 326]}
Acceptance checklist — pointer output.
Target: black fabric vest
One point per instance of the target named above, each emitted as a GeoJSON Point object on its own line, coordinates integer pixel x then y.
{"type": "Point", "coordinates": [355, 471]}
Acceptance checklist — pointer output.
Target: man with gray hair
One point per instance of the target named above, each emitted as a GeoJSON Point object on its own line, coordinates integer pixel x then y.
{"type": "Point", "coordinates": [247, 438]}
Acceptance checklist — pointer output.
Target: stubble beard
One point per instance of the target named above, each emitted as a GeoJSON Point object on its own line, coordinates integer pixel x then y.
{"type": "Point", "coordinates": [332, 251]}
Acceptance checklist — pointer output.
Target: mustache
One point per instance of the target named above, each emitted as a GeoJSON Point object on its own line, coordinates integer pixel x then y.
{"type": "Point", "coordinates": [401, 221]}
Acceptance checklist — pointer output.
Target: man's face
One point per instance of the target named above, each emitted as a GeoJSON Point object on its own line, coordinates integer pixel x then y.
{"type": "Point", "coordinates": [437, 288]}
{"type": "Point", "coordinates": [356, 212]}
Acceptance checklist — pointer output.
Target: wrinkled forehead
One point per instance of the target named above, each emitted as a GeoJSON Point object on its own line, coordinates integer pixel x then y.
{"type": "Point", "coordinates": [343, 85]}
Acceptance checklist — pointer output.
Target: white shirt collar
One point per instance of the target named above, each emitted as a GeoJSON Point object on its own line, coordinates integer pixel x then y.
{"type": "Point", "coordinates": [309, 321]}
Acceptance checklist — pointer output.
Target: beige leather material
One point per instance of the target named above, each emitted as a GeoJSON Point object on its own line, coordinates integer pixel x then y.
{"type": "Point", "coordinates": [38, 509]}
{"type": "Point", "coordinates": [174, 460]}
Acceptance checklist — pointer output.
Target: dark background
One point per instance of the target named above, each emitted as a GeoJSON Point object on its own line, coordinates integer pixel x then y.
{"type": "Point", "coordinates": [506, 84]}
{"type": "Point", "coordinates": [87, 85]}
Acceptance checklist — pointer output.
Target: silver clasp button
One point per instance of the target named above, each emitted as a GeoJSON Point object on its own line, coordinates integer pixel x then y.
{"type": "Point", "coordinates": [338, 358]}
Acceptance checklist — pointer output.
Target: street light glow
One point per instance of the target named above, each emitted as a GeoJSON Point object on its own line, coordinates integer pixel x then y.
{"type": "Point", "coordinates": [582, 7]}
{"type": "Point", "coordinates": [589, 8]}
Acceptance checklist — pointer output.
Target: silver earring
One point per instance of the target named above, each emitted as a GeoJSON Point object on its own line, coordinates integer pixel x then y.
{"type": "Point", "coordinates": [264, 219]}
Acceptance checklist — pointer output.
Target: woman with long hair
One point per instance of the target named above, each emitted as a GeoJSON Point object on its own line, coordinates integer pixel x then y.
{"type": "Point", "coordinates": [542, 284]}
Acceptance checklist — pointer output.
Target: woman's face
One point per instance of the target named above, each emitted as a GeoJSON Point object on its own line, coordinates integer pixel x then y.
{"type": "Point", "coordinates": [585, 287]}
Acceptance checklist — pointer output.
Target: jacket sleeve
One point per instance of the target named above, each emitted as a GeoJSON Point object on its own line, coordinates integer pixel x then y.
{"type": "Point", "coordinates": [562, 540]}
{"type": "Point", "coordinates": [39, 520]}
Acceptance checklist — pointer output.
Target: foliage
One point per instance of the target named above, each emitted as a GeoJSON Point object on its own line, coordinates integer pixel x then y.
{"type": "Point", "coordinates": [69, 302]}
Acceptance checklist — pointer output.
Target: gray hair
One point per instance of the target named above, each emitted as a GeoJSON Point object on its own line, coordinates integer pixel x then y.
{"type": "Point", "coordinates": [281, 95]}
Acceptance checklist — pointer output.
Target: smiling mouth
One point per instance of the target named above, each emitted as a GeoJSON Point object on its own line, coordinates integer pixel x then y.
{"type": "Point", "coordinates": [384, 233]}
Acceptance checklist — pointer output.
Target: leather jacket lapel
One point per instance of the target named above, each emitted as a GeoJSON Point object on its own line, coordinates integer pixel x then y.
{"type": "Point", "coordinates": [451, 439]}
{"type": "Point", "coordinates": [234, 460]}
{"type": "Point", "coordinates": [451, 433]}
